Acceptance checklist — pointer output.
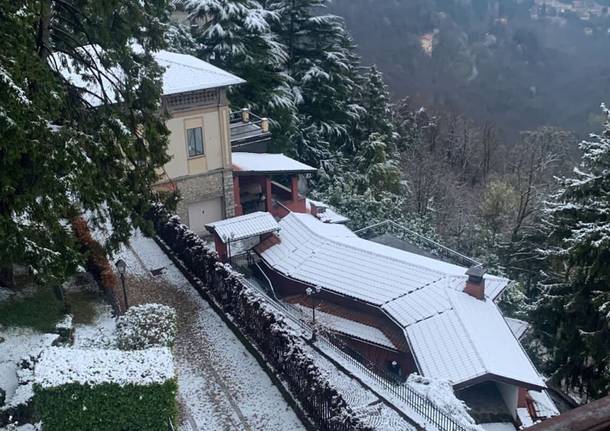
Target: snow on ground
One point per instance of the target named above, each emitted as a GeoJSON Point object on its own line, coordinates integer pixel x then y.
{"type": "Point", "coordinates": [498, 426]}
{"type": "Point", "coordinates": [99, 334]}
{"type": "Point", "coordinates": [221, 386]}
{"type": "Point", "coordinates": [364, 403]}
{"type": "Point", "coordinates": [18, 343]}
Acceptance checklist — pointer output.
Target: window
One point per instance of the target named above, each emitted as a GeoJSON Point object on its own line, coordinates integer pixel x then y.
{"type": "Point", "coordinates": [194, 141]}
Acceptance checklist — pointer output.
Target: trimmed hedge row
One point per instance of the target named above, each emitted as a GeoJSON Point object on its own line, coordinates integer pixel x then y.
{"type": "Point", "coordinates": [263, 324]}
{"type": "Point", "coordinates": [107, 407]}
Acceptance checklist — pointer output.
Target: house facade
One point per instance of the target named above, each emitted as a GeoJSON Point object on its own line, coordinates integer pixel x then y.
{"type": "Point", "coordinates": [200, 169]}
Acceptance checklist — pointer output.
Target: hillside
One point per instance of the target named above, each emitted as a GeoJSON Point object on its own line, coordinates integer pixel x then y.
{"type": "Point", "coordinates": [514, 63]}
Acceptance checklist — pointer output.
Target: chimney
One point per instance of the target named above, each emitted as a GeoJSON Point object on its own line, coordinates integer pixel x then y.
{"type": "Point", "coordinates": [475, 285]}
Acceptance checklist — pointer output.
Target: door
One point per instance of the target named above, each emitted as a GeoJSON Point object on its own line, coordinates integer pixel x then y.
{"type": "Point", "coordinates": [204, 212]}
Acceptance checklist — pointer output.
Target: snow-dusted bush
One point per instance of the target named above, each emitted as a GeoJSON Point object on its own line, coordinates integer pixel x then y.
{"type": "Point", "coordinates": [440, 393]}
{"type": "Point", "coordinates": [146, 325]}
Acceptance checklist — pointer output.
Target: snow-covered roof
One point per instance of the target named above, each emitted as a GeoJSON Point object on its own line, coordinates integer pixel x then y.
{"type": "Point", "coordinates": [328, 215]}
{"type": "Point", "coordinates": [333, 256]}
{"type": "Point", "coordinates": [61, 366]}
{"type": "Point", "coordinates": [258, 163]}
{"type": "Point", "coordinates": [245, 226]}
{"type": "Point", "coordinates": [183, 73]}
{"type": "Point", "coordinates": [468, 341]}
{"type": "Point", "coordinates": [350, 328]}
{"type": "Point", "coordinates": [452, 335]}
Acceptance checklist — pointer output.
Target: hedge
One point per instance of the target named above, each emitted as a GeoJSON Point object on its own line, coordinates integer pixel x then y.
{"type": "Point", "coordinates": [106, 407]}
{"type": "Point", "coordinates": [105, 390]}
{"type": "Point", "coordinates": [265, 326]}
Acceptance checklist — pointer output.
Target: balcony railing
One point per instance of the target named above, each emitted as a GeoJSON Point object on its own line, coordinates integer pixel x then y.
{"type": "Point", "coordinates": [247, 128]}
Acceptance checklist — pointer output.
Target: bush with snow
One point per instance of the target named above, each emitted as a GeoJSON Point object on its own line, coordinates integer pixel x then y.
{"type": "Point", "coordinates": [147, 325]}
{"type": "Point", "coordinates": [440, 393]}
{"type": "Point", "coordinates": [105, 390]}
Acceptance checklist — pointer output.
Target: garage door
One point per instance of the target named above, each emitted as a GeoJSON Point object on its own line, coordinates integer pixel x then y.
{"type": "Point", "coordinates": [204, 212]}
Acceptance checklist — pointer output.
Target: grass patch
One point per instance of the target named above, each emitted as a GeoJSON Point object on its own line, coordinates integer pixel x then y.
{"type": "Point", "coordinates": [82, 305]}
{"type": "Point", "coordinates": [40, 311]}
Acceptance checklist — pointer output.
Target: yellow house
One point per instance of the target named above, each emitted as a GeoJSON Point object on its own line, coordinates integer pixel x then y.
{"type": "Point", "coordinates": [201, 128]}
{"type": "Point", "coordinates": [202, 131]}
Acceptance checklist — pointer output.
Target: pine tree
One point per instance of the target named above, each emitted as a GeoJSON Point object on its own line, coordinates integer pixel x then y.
{"type": "Point", "coordinates": [59, 155]}
{"type": "Point", "coordinates": [572, 315]}
{"type": "Point", "coordinates": [378, 114]}
{"type": "Point", "coordinates": [236, 35]}
{"type": "Point", "coordinates": [323, 69]}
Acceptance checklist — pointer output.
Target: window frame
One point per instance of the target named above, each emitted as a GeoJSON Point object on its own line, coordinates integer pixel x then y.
{"type": "Point", "coordinates": [188, 152]}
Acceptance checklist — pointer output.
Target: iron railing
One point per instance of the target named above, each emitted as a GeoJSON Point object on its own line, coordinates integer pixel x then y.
{"type": "Point", "coordinates": [251, 129]}
{"type": "Point", "coordinates": [383, 381]}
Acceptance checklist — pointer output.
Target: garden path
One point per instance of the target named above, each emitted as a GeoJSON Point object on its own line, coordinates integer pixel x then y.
{"type": "Point", "coordinates": [221, 385]}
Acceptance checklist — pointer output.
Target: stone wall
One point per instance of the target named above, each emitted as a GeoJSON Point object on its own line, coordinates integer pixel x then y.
{"type": "Point", "coordinates": [203, 187]}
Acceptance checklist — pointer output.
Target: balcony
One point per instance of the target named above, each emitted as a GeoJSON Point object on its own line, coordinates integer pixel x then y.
{"type": "Point", "coordinates": [249, 132]}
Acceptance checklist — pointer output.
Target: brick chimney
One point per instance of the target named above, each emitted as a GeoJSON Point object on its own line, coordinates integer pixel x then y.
{"type": "Point", "coordinates": [475, 285]}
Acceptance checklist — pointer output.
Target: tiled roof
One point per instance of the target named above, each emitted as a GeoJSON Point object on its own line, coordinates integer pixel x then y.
{"type": "Point", "coordinates": [267, 163]}
{"type": "Point", "coordinates": [246, 226]}
{"type": "Point", "coordinates": [451, 334]}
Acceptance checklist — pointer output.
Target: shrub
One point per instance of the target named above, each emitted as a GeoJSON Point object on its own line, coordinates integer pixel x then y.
{"type": "Point", "coordinates": [105, 390]}
{"type": "Point", "coordinates": [147, 325]}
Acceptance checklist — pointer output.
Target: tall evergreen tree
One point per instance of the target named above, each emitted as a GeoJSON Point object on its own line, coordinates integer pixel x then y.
{"type": "Point", "coordinates": [323, 68]}
{"type": "Point", "coordinates": [236, 36]}
{"type": "Point", "coordinates": [59, 155]}
{"type": "Point", "coordinates": [572, 315]}
{"type": "Point", "coordinates": [378, 116]}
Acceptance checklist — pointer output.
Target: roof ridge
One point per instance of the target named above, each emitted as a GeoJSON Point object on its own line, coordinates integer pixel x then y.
{"type": "Point", "coordinates": [402, 295]}
{"type": "Point", "coordinates": [394, 259]}
{"type": "Point", "coordinates": [219, 72]}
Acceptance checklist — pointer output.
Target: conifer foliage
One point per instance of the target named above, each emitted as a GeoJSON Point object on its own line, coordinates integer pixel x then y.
{"type": "Point", "coordinates": [572, 315]}
{"type": "Point", "coordinates": [60, 155]}
{"type": "Point", "coordinates": [236, 35]}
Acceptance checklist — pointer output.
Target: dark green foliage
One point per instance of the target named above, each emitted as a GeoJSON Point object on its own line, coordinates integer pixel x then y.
{"type": "Point", "coordinates": [572, 315]}
{"type": "Point", "coordinates": [236, 35]}
{"type": "Point", "coordinates": [107, 407]}
{"type": "Point", "coordinates": [40, 311]}
{"type": "Point", "coordinates": [58, 155]}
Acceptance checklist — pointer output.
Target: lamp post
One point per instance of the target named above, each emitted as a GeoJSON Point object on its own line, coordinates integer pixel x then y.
{"type": "Point", "coordinates": [310, 293]}
{"type": "Point", "coordinates": [121, 266]}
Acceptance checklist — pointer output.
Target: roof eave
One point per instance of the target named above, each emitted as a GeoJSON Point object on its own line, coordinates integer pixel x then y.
{"type": "Point", "coordinates": [238, 172]}
{"type": "Point", "coordinates": [498, 378]}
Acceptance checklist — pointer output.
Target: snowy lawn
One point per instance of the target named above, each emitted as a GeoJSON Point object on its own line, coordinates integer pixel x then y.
{"type": "Point", "coordinates": [221, 386]}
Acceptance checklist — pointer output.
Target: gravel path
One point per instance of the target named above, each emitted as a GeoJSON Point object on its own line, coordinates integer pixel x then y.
{"type": "Point", "coordinates": [221, 386]}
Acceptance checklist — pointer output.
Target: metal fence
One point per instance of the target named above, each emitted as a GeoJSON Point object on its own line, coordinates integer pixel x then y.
{"type": "Point", "coordinates": [383, 381]}
{"type": "Point", "coordinates": [417, 240]}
